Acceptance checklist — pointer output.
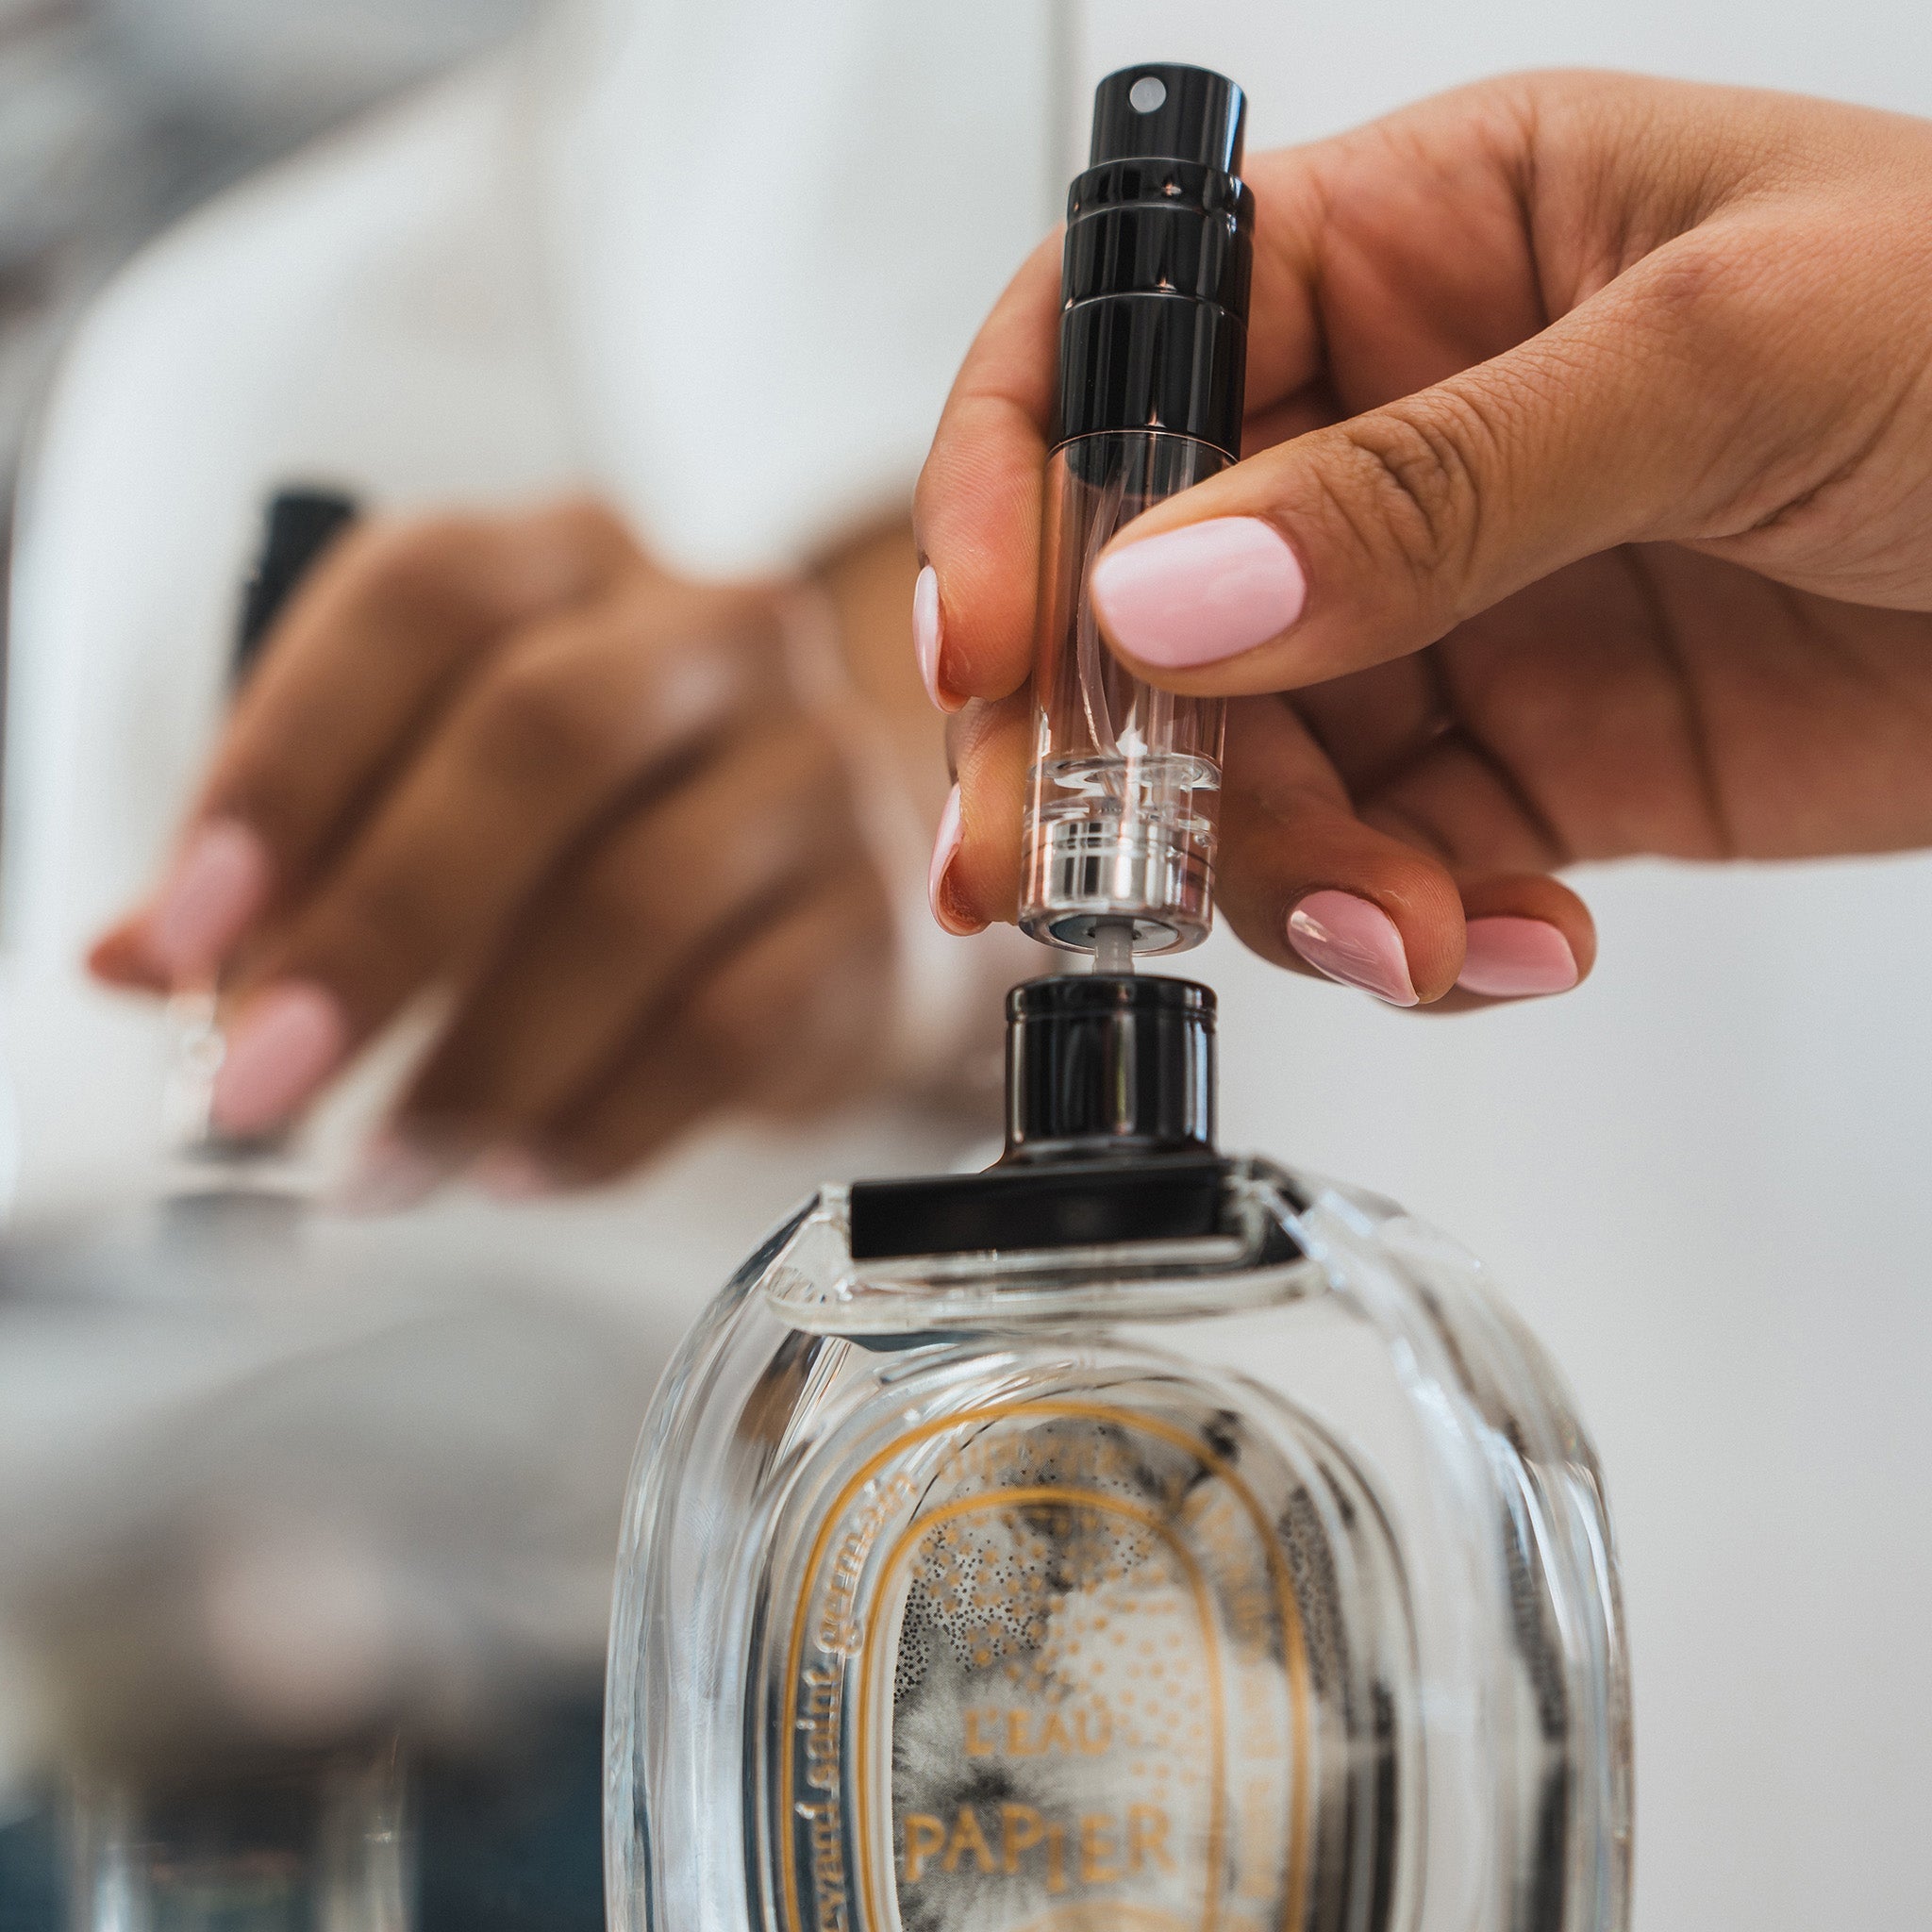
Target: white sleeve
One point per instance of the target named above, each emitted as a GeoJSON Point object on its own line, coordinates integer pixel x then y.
{"type": "Point", "coordinates": [359, 317]}
{"type": "Point", "coordinates": [835, 193]}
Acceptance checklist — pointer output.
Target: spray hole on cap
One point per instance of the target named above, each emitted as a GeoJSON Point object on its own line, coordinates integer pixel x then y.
{"type": "Point", "coordinates": [1147, 94]}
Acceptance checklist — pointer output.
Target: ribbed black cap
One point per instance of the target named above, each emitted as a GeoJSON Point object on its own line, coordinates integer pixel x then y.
{"type": "Point", "coordinates": [1154, 283]}
{"type": "Point", "coordinates": [1109, 1063]}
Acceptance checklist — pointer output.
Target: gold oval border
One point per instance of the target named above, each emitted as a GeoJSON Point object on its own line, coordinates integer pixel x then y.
{"type": "Point", "coordinates": [1086, 1412]}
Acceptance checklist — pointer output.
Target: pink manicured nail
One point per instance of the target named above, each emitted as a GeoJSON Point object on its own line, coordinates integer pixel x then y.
{"type": "Point", "coordinates": [288, 1042]}
{"type": "Point", "coordinates": [1353, 941]}
{"type": "Point", "coordinates": [926, 633]}
{"type": "Point", "coordinates": [391, 1173]}
{"type": "Point", "coordinates": [510, 1175]}
{"type": "Point", "coordinates": [1200, 593]}
{"type": "Point", "coordinates": [1515, 958]}
{"type": "Point", "coordinates": [217, 886]}
{"type": "Point", "coordinates": [946, 847]}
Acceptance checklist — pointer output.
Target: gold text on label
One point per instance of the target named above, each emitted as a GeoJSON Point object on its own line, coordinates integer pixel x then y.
{"type": "Point", "coordinates": [1094, 1848]}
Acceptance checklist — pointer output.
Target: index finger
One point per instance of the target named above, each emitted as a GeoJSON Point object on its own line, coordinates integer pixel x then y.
{"type": "Point", "coordinates": [394, 617]}
{"type": "Point", "coordinates": [976, 510]}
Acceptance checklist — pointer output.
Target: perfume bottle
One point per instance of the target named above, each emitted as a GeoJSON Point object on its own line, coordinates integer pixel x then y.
{"type": "Point", "coordinates": [1132, 1534]}
{"type": "Point", "coordinates": [1127, 1535]}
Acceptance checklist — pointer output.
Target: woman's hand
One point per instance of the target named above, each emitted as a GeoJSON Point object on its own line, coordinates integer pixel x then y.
{"type": "Point", "coordinates": [1587, 511]}
{"type": "Point", "coordinates": [510, 759]}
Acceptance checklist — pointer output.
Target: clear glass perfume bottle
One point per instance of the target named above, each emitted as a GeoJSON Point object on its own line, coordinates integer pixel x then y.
{"type": "Point", "coordinates": [175, 1819]}
{"type": "Point", "coordinates": [1131, 1536]}
{"type": "Point", "coordinates": [1127, 1536]}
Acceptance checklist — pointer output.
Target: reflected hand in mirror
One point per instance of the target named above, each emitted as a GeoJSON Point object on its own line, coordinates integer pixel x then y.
{"type": "Point", "coordinates": [610, 812]}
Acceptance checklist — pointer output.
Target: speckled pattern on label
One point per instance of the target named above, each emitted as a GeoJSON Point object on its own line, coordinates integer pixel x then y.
{"type": "Point", "coordinates": [1049, 1674]}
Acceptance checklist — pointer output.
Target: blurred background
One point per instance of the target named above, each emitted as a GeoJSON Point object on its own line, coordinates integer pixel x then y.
{"type": "Point", "coordinates": [343, 1540]}
{"type": "Point", "coordinates": [116, 116]}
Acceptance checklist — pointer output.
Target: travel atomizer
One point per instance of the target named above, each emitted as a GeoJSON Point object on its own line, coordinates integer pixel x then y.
{"type": "Point", "coordinates": [1133, 1537]}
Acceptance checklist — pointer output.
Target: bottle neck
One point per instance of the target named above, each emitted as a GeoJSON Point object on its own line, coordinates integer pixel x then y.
{"type": "Point", "coordinates": [1106, 1064]}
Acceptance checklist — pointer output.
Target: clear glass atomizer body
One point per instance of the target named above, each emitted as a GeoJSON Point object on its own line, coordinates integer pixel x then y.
{"type": "Point", "coordinates": [180, 1811]}
{"type": "Point", "coordinates": [1130, 1536]}
{"type": "Point", "coordinates": [1125, 788]}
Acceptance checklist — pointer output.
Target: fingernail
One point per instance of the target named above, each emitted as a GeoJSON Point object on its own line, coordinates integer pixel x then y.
{"type": "Point", "coordinates": [1200, 593]}
{"type": "Point", "coordinates": [287, 1043]}
{"type": "Point", "coordinates": [513, 1173]}
{"type": "Point", "coordinates": [1516, 959]}
{"type": "Point", "coordinates": [946, 847]}
{"type": "Point", "coordinates": [926, 635]}
{"type": "Point", "coordinates": [217, 886]}
{"type": "Point", "coordinates": [121, 958]}
{"type": "Point", "coordinates": [391, 1173]}
{"type": "Point", "coordinates": [1353, 941]}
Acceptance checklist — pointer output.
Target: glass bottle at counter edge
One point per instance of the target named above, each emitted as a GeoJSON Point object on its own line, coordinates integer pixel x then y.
{"type": "Point", "coordinates": [185, 1831]}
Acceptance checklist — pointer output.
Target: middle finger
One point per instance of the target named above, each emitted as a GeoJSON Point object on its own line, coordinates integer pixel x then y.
{"type": "Point", "coordinates": [614, 934]}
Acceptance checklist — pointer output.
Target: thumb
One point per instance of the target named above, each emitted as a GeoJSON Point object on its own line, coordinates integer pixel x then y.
{"type": "Point", "coordinates": [1638, 416]}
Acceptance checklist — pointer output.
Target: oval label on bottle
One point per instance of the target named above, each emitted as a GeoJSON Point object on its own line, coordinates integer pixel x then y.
{"type": "Point", "coordinates": [1048, 1672]}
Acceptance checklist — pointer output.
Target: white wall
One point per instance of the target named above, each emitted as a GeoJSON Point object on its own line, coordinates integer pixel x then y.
{"type": "Point", "coordinates": [1705, 1178]}
{"type": "Point", "coordinates": [1314, 68]}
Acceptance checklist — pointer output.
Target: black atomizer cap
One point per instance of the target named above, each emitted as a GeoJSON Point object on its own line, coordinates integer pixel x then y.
{"type": "Point", "coordinates": [1154, 282]}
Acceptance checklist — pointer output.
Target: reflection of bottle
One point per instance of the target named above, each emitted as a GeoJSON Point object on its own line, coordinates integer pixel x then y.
{"type": "Point", "coordinates": [273, 1845]}
{"type": "Point", "coordinates": [1127, 1536]}
{"type": "Point", "coordinates": [1125, 781]}
{"type": "Point", "coordinates": [207, 1833]}
{"type": "Point", "coordinates": [297, 528]}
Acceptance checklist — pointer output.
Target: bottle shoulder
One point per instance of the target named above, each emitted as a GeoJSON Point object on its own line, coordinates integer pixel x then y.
{"type": "Point", "coordinates": [1175, 1239]}
{"type": "Point", "coordinates": [1259, 1505]}
{"type": "Point", "coordinates": [1160, 1239]}
{"type": "Point", "coordinates": [1301, 1284]}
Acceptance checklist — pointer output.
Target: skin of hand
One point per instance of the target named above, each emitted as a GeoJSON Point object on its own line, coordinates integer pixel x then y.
{"type": "Point", "coordinates": [1585, 513]}
{"type": "Point", "coordinates": [511, 760]}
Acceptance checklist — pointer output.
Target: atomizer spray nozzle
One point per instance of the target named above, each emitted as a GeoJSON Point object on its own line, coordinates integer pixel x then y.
{"type": "Point", "coordinates": [1113, 945]}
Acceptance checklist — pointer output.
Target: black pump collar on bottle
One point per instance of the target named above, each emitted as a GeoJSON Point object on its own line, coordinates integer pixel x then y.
{"type": "Point", "coordinates": [1109, 1064]}
{"type": "Point", "coordinates": [1154, 284]}
{"type": "Point", "coordinates": [1109, 1131]}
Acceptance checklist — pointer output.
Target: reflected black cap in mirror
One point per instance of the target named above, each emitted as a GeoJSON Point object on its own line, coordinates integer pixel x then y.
{"type": "Point", "coordinates": [299, 523]}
